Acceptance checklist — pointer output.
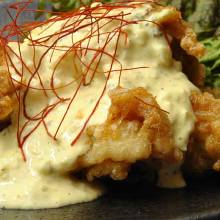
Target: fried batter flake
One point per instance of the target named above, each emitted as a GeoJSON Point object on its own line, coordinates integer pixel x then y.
{"type": "Point", "coordinates": [173, 24]}
{"type": "Point", "coordinates": [204, 149]}
{"type": "Point", "coordinates": [136, 129]}
{"type": "Point", "coordinates": [6, 104]}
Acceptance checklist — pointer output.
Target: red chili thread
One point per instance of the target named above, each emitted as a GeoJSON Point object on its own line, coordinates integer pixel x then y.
{"type": "Point", "coordinates": [153, 106]}
{"type": "Point", "coordinates": [74, 21]}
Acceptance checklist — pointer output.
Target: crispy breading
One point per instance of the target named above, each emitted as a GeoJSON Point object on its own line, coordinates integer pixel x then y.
{"type": "Point", "coordinates": [214, 91]}
{"type": "Point", "coordinates": [184, 45]}
{"type": "Point", "coordinates": [136, 129]}
{"type": "Point", "coordinates": [5, 84]}
{"type": "Point", "coordinates": [116, 170]}
{"type": "Point", "coordinates": [6, 107]}
{"type": "Point", "coordinates": [204, 148]}
{"type": "Point", "coordinates": [190, 65]}
{"type": "Point", "coordinates": [173, 24]}
{"type": "Point", "coordinates": [2, 55]}
{"type": "Point", "coordinates": [6, 104]}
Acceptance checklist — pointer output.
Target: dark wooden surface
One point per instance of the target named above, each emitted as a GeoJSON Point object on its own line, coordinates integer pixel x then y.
{"type": "Point", "coordinates": [200, 200]}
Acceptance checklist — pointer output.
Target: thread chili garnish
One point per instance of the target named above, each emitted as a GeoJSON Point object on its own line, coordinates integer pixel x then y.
{"type": "Point", "coordinates": [27, 79]}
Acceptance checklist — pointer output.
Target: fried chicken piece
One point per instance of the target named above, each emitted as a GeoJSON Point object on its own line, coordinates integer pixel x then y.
{"type": "Point", "coordinates": [203, 151]}
{"type": "Point", "coordinates": [5, 84]}
{"type": "Point", "coordinates": [6, 107]}
{"type": "Point", "coordinates": [184, 44]}
{"type": "Point", "coordinates": [116, 170]}
{"type": "Point", "coordinates": [136, 129]}
{"type": "Point", "coordinates": [190, 65]}
{"type": "Point", "coordinates": [2, 55]}
{"type": "Point", "coordinates": [214, 91]}
{"type": "Point", "coordinates": [173, 24]}
{"type": "Point", "coordinates": [204, 147]}
{"type": "Point", "coordinates": [6, 104]}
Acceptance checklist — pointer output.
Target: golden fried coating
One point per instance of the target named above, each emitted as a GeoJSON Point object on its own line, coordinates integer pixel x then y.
{"type": "Point", "coordinates": [184, 45]}
{"type": "Point", "coordinates": [136, 129]}
{"type": "Point", "coordinates": [204, 148]}
{"type": "Point", "coordinates": [2, 55]}
{"type": "Point", "coordinates": [116, 170]}
{"type": "Point", "coordinates": [6, 107]}
{"type": "Point", "coordinates": [173, 24]}
{"type": "Point", "coordinates": [5, 84]}
{"type": "Point", "coordinates": [6, 104]}
{"type": "Point", "coordinates": [190, 65]}
{"type": "Point", "coordinates": [214, 91]}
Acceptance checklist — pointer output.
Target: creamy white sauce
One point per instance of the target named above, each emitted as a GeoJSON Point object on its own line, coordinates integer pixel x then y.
{"type": "Point", "coordinates": [43, 180]}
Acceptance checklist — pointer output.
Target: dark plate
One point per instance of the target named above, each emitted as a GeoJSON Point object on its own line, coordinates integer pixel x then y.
{"type": "Point", "coordinates": [200, 200]}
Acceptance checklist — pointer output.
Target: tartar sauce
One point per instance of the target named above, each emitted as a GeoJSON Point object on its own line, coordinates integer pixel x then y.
{"type": "Point", "coordinates": [45, 179]}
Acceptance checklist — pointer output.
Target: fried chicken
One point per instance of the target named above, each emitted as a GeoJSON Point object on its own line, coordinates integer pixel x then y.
{"type": "Point", "coordinates": [116, 170]}
{"type": "Point", "coordinates": [136, 129]}
{"type": "Point", "coordinates": [134, 124]}
{"type": "Point", "coordinates": [6, 104]}
{"type": "Point", "coordinates": [173, 24]}
{"type": "Point", "coordinates": [184, 45]}
{"type": "Point", "coordinates": [204, 149]}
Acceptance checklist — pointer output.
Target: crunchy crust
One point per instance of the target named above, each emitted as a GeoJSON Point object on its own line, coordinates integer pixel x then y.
{"type": "Point", "coordinates": [6, 107]}
{"type": "Point", "coordinates": [203, 152]}
{"type": "Point", "coordinates": [116, 170]}
{"type": "Point", "coordinates": [6, 104]}
{"type": "Point", "coordinates": [173, 24]}
{"type": "Point", "coordinates": [136, 129]}
{"type": "Point", "coordinates": [184, 45]}
{"type": "Point", "coordinates": [214, 91]}
{"type": "Point", "coordinates": [204, 148]}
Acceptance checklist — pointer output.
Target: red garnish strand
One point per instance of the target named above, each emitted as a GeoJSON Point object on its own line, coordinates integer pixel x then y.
{"type": "Point", "coordinates": [153, 106]}
{"type": "Point", "coordinates": [87, 56]}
